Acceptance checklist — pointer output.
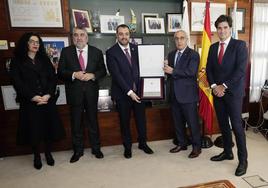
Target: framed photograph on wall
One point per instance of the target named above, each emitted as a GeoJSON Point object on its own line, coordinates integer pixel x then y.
{"type": "Point", "coordinates": [154, 25]}
{"type": "Point", "coordinates": [198, 15]}
{"type": "Point", "coordinates": [53, 47]}
{"type": "Point", "coordinates": [81, 19]}
{"type": "Point", "coordinates": [38, 13]}
{"type": "Point", "coordinates": [136, 40]}
{"type": "Point", "coordinates": [109, 23]}
{"type": "Point", "coordinates": [146, 15]}
{"type": "Point", "coordinates": [174, 21]}
{"type": "Point", "coordinates": [240, 18]}
{"type": "Point", "coordinates": [9, 98]}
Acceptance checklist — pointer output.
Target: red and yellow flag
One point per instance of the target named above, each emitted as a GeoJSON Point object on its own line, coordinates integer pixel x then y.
{"type": "Point", "coordinates": [206, 98]}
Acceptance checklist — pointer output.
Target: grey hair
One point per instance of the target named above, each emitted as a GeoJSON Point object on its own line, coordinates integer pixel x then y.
{"type": "Point", "coordinates": [181, 31]}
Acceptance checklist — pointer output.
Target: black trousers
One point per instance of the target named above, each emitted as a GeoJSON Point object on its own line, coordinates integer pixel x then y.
{"type": "Point", "coordinates": [88, 109]}
{"type": "Point", "coordinates": [124, 107]}
{"type": "Point", "coordinates": [231, 107]}
{"type": "Point", "coordinates": [186, 113]}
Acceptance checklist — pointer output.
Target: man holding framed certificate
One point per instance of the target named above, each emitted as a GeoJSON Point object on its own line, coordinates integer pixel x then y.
{"type": "Point", "coordinates": [123, 65]}
{"type": "Point", "coordinates": [181, 67]}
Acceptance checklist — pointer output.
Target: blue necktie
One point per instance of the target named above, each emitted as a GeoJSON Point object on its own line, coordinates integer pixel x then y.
{"type": "Point", "coordinates": [178, 58]}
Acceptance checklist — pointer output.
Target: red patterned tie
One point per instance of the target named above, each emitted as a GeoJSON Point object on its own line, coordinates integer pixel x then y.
{"type": "Point", "coordinates": [128, 56]}
{"type": "Point", "coordinates": [221, 52]}
{"type": "Point", "coordinates": [81, 60]}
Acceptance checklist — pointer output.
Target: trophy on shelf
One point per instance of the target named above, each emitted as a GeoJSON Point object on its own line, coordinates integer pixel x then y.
{"type": "Point", "coordinates": [133, 22]}
{"type": "Point", "coordinates": [96, 20]}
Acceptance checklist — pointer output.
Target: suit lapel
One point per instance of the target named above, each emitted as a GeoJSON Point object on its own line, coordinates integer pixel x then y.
{"type": "Point", "coordinates": [123, 56]}
{"type": "Point", "coordinates": [227, 51]}
{"type": "Point", "coordinates": [75, 57]}
{"type": "Point", "coordinates": [183, 58]}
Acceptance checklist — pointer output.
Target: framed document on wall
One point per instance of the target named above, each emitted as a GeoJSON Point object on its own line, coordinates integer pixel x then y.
{"type": "Point", "coordinates": [37, 13]}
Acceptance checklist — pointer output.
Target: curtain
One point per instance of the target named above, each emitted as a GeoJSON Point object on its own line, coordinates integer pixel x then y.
{"type": "Point", "coordinates": [259, 53]}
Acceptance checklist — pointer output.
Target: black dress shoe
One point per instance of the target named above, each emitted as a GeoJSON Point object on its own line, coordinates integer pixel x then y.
{"type": "Point", "coordinates": [241, 168]}
{"type": "Point", "coordinates": [195, 153]}
{"type": "Point", "coordinates": [178, 149]}
{"type": "Point", "coordinates": [98, 154]}
{"type": "Point", "coordinates": [76, 156]}
{"type": "Point", "coordinates": [146, 148]}
{"type": "Point", "coordinates": [49, 159]}
{"type": "Point", "coordinates": [37, 162]}
{"type": "Point", "coordinates": [222, 156]}
{"type": "Point", "coordinates": [127, 153]}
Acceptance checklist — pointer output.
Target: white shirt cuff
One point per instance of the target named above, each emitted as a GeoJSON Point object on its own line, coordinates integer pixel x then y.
{"type": "Point", "coordinates": [213, 86]}
{"type": "Point", "coordinates": [129, 92]}
{"type": "Point", "coordinates": [225, 85]}
{"type": "Point", "coordinates": [73, 76]}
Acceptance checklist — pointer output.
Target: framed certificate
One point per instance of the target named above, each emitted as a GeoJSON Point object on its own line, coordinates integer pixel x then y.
{"type": "Point", "coordinates": [152, 88]}
{"type": "Point", "coordinates": [151, 60]}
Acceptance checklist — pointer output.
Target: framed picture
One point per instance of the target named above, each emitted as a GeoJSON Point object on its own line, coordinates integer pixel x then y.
{"type": "Point", "coordinates": [240, 18]}
{"type": "Point", "coordinates": [136, 40]}
{"type": "Point", "coordinates": [146, 15]}
{"type": "Point", "coordinates": [198, 15]}
{"type": "Point", "coordinates": [53, 46]}
{"type": "Point", "coordinates": [109, 23]}
{"type": "Point", "coordinates": [174, 21]}
{"type": "Point", "coordinates": [81, 19]}
{"type": "Point", "coordinates": [154, 25]}
{"type": "Point", "coordinates": [38, 13]}
{"type": "Point", "coordinates": [9, 98]}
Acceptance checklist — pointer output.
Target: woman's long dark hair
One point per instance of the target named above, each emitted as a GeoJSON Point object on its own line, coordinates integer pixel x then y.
{"type": "Point", "coordinates": [21, 50]}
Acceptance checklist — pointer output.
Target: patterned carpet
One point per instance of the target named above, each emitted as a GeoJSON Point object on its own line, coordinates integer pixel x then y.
{"type": "Point", "coordinates": [214, 184]}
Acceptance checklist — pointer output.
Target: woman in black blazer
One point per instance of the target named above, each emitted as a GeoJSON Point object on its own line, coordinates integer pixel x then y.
{"type": "Point", "coordinates": [34, 80]}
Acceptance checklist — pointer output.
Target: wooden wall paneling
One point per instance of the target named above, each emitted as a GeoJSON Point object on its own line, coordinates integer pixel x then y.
{"type": "Point", "coordinates": [159, 121]}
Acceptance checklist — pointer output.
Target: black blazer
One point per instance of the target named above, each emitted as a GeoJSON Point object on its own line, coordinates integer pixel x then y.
{"type": "Point", "coordinates": [123, 75]}
{"type": "Point", "coordinates": [69, 63]}
{"type": "Point", "coordinates": [232, 70]}
{"type": "Point", "coordinates": [31, 79]}
{"type": "Point", "coordinates": [183, 81]}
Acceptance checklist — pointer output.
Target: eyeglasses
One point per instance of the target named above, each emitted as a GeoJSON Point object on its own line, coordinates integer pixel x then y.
{"type": "Point", "coordinates": [34, 42]}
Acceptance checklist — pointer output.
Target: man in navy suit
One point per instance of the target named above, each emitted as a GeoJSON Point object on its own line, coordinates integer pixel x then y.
{"type": "Point", "coordinates": [226, 67]}
{"type": "Point", "coordinates": [123, 64]}
{"type": "Point", "coordinates": [81, 66]}
{"type": "Point", "coordinates": [182, 67]}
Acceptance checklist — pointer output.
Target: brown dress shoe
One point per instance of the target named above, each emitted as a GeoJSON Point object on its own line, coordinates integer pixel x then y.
{"type": "Point", "coordinates": [195, 153]}
{"type": "Point", "coordinates": [178, 149]}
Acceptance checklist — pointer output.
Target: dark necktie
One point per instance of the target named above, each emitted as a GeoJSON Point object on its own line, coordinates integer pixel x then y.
{"type": "Point", "coordinates": [221, 53]}
{"type": "Point", "coordinates": [178, 59]}
{"type": "Point", "coordinates": [81, 60]}
{"type": "Point", "coordinates": [128, 56]}
{"type": "Point", "coordinates": [129, 60]}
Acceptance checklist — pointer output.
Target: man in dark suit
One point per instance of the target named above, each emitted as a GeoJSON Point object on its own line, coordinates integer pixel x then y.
{"type": "Point", "coordinates": [81, 66]}
{"type": "Point", "coordinates": [226, 66]}
{"type": "Point", "coordinates": [181, 67]}
{"type": "Point", "coordinates": [123, 64]}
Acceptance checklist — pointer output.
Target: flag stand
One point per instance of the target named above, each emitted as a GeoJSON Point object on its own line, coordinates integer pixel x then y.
{"type": "Point", "coordinates": [206, 142]}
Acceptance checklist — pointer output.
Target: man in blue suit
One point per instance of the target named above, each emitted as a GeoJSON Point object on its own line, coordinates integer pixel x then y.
{"type": "Point", "coordinates": [123, 64]}
{"type": "Point", "coordinates": [182, 67]}
{"type": "Point", "coordinates": [226, 67]}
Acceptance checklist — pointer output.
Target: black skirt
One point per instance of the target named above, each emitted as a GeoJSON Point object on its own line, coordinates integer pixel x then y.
{"type": "Point", "coordinates": [39, 123]}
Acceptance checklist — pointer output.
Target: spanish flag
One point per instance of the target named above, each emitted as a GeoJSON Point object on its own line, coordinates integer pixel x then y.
{"type": "Point", "coordinates": [206, 98]}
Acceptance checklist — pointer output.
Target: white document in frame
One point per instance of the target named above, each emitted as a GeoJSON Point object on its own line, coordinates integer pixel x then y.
{"type": "Point", "coordinates": [151, 87]}
{"type": "Point", "coordinates": [151, 60]}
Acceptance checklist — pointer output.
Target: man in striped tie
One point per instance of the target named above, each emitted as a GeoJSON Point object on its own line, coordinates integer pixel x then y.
{"type": "Point", "coordinates": [123, 64]}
